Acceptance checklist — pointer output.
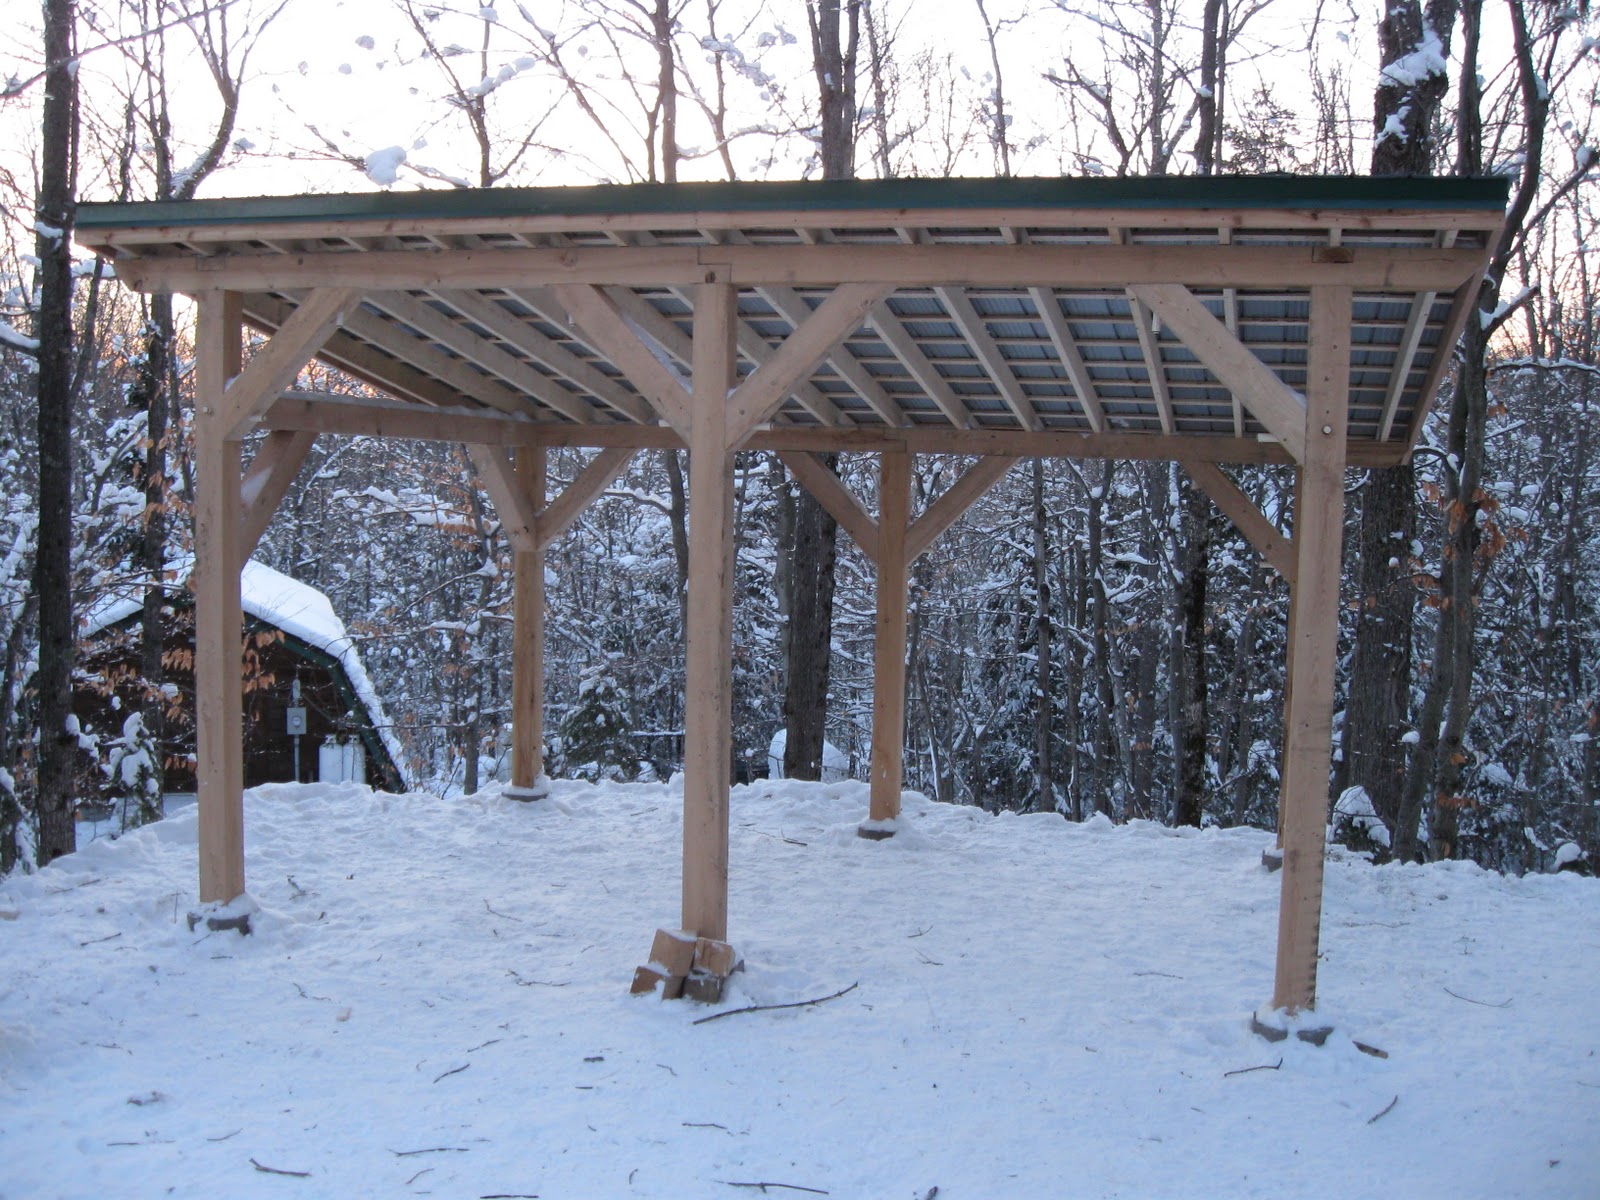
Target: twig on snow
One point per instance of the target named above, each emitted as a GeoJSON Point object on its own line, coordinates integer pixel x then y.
{"type": "Point", "coordinates": [510, 1196]}
{"type": "Point", "coordinates": [793, 1187]}
{"type": "Point", "coordinates": [96, 941]}
{"type": "Point", "coordinates": [734, 1012]}
{"type": "Point", "coordinates": [279, 1171]}
{"type": "Point", "coordinates": [1481, 1003]}
{"type": "Point", "coordinates": [225, 1136]}
{"type": "Point", "coordinates": [1247, 1070]}
{"type": "Point", "coordinates": [1387, 1110]}
{"type": "Point", "coordinates": [429, 1150]}
{"type": "Point", "coordinates": [452, 1071]}
{"type": "Point", "coordinates": [416, 1177]}
{"type": "Point", "coordinates": [521, 982]}
{"type": "Point", "coordinates": [503, 916]}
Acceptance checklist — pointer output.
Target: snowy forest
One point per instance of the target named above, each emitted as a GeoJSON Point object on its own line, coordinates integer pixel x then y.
{"type": "Point", "coordinates": [1092, 637]}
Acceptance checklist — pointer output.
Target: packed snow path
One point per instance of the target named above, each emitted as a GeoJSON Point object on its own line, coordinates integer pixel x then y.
{"type": "Point", "coordinates": [434, 1002]}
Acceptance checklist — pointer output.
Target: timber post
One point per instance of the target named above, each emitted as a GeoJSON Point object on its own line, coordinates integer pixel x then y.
{"type": "Point", "coordinates": [219, 614]}
{"type": "Point", "coordinates": [708, 744]}
{"type": "Point", "coordinates": [527, 678]}
{"type": "Point", "coordinates": [889, 642]}
{"type": "Point", "coordinates": [1314, 620]}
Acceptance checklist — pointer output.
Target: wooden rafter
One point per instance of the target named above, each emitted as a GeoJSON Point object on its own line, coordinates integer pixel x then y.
{"type": "Point", "coordinates": [483, 311]}
{"type": "Point", "coordinates": [586, 487]}
{"type": "Point", "coordinates": [429, 360]}
{"type": "Point", "coordinates": [1406, 353]}
{"type": "Point", "coordinates": [904, 347]}
{"type": "Point", "coordinates": [976, 330]}
{"type": "Point", "coordinates": [1055, 323]}
{"type": "Point", "coordinates": [433, 324]}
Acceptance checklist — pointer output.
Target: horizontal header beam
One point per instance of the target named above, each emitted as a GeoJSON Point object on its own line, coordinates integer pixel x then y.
{"type": "Point", "coordinates": [1407, 269]}
{"type": "Point", "coordinates": [383, 418]}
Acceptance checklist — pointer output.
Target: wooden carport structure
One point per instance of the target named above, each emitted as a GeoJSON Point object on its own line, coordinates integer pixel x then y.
{"type": "Point", "coordinates": [1295, 320]}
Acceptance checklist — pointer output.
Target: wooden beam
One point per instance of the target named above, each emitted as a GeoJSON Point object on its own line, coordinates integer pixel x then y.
{"type": "Point", "coordinates": [839, 501]}
{"type": "Point", "coordinates": [611, 334]}
{"type": "Point", "coordinates": [956, 499]}
{"type": "Point", "coordinates": [527, 654]}
{"type": "Point", "coordinates": [791, 306]}
{"type": "Point", "coordinates": [889, 638]}
{"type": "Point", "coordinates": [758, 397]}
{"type": "Point", "coordinates": [1319, 531]}
{"type": "Point", "coordinates": [356, 359]}
{"type": "Point", "coordinates": [1155, 367]}
{"type": "Point", "coordinates": [1270, 542]}
{"type": "Point", "coordinates": [976, 331]}
{"type": "Point", "coordinates": [435, 325]}
{"type": "Point", "coordinates": [1271, 400]}
{"type": "Point", "coordinates": [1405, 269]}
{"type": "Point", "coordinates": [1055, 322]}
{"type": "Point", "coordinates": [583, 491]}
{"type": "Point", "coordinates": [512, 505]}
{"type": "Point", "coordinates": [427, 358]}
{"type": "Point", "coordinates": [277, 364]}
{"type": "Point", "coordinates": [708, 746]}
{"type": "Point", "coordinates": [904, 347]}
{"type": "Point", "coordinates": [481, 310]}
{"type": "Point", "coordinates": [267, 482]}
{"type": "Point", "coordinates": [219, 617]}
{"type": "Point", "coordinates": [805, 220]}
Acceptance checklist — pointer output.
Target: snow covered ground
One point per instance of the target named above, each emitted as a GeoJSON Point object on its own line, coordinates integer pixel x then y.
{"type": "Point", "coordinates": [435, 1002]}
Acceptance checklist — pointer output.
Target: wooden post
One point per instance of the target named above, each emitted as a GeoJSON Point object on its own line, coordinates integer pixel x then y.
{"type": "Point", "coordinates": [889, 643]}
{"type": "Point", "coordinates": [219, 618]}
{"type": "Point", "coordinates": [527, 665]}
{"type": "Point", "coordinates": [1314, 621]}
{"type": "Point", "coordinates": [707, 750]}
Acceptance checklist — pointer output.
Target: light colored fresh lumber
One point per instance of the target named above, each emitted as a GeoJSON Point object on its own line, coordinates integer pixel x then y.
{"type": "Point", "coordinates": [527, 615]}
{"type": "Point", "coordinates": [838, 501]}
{"type": "Point", "coordinates": [272, 472]}
{"type": "Point", "coordinates": [219, 614]}
{"type": "Point", "coordinates": [1272, 401]}
{"type": "Point", "coordinates": [976, 331]}
{"type": "Point", "coordinates": [276, 365]}
{"type": "Point", "coordinates": [1270, 542]}
{"type": "Point", "coordinates": [956, 499]}
{"type": "Point", "coordinates": [622, 341]}
{"type": "Point", "coordinates": [512, 504]}
{"type": "Point", "coordinates": [708, 745]}
{"type": "Point", "coordinates": [1308, 736]}
{"type": "Point", "coordinates": [889, 637]}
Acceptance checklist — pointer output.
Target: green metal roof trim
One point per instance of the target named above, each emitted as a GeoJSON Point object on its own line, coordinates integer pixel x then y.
{"type": "Point", "coordinates": [1304, 192]}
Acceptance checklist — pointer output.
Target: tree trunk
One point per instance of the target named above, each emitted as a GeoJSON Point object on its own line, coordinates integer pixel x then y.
{"type": "Point", "coordinates": [1043, 693]}
{"type": "Point", "coordinates": [53, 561]}
{"type": "Point", "coordinates": [1405, 112]}
{"type": "Point", "coordinates": [809, 633]}
{"type": "Point", "coordinates": [1192, 684]}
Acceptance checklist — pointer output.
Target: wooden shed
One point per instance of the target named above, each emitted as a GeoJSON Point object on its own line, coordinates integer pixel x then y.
{"type": "Point", "coordinates": [1297, 320]}
{"type": "Point", "coordinates": [299, 657]}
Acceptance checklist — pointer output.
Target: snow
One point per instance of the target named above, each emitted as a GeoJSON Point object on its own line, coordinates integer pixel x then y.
{"type": "Point", "coordinates": [17, 341]}
{"type": "Point", "coordinates": [1428, 58]}
{"type": "Point", "coordinates": [383, 166]}
{"type": "Point", "coordinates": [434, 1001]}
{"type": "Point", "coordinates": [835, 762]}
{"type": "Point", "coordinates": [294, 607]}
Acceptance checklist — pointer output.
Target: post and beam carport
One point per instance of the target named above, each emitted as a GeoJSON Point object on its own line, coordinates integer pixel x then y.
{"type": "Point", "coordinates": [1301, 321]}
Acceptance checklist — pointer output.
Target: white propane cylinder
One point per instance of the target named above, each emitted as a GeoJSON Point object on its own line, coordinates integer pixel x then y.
{"type": "Point", "coordinates": [330, 761]}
